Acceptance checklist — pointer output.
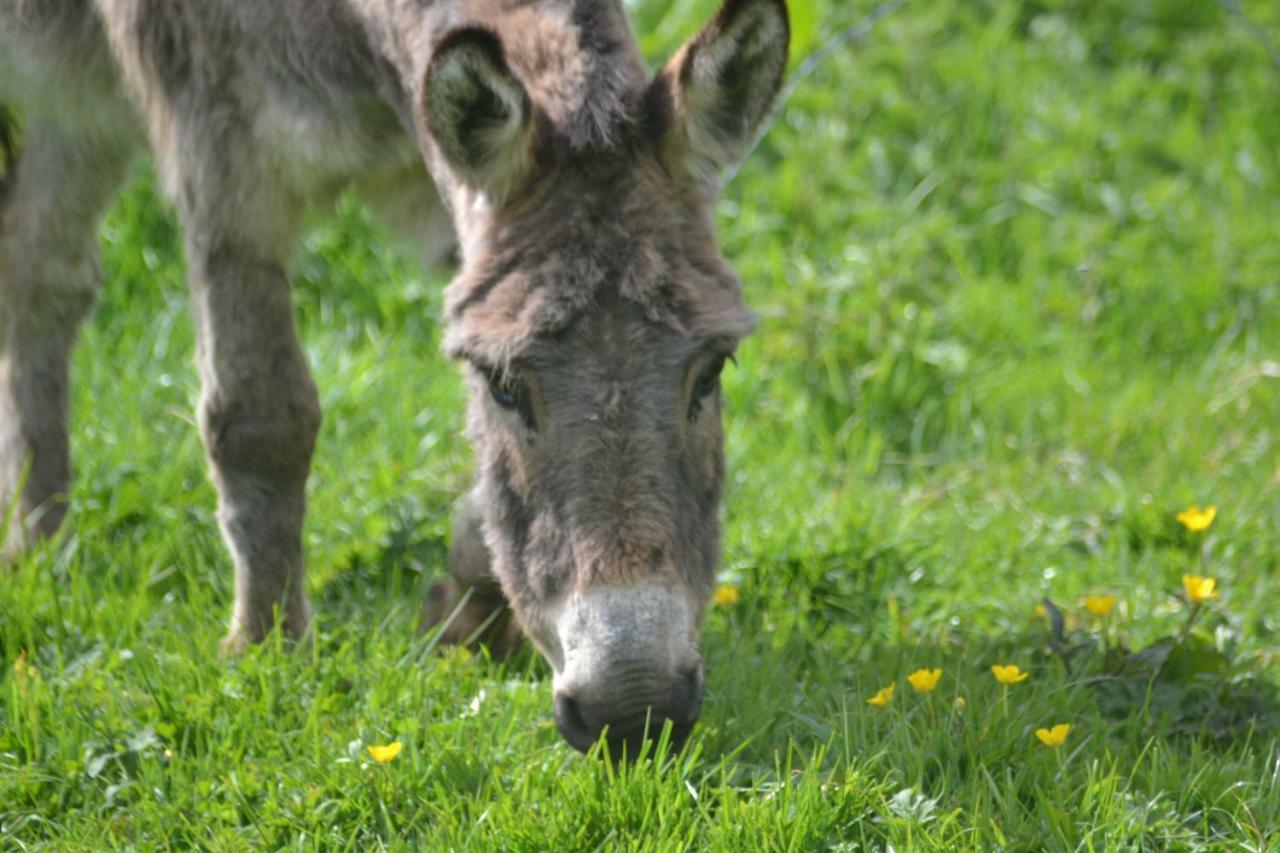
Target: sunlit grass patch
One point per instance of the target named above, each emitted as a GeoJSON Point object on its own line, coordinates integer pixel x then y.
{"type": "Point", "coordinates": [1015, 265]}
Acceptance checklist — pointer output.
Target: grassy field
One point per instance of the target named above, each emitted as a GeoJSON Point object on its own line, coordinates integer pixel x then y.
{"type": "Point", "coordinates": [1018, 267]}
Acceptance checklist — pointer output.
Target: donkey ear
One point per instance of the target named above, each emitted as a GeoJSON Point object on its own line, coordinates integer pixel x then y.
{"type": "Point", "coordinates": [477, 113]}
{"type": "Point", "coordinates": [711, 98]}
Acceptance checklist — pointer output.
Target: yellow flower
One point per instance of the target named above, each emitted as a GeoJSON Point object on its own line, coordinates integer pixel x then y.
{"type": "Point", "coordinates": [1099, 605]}
{"type": "Point", "coordinates": [1198, 589]}
{"type": "Point", "coordinates": [924, 680]}
{"type": "Point", "coordinates": [383, 754]}
{"type": "Point", "coordinates": [1196, 519]}
{"type": "Point", "coordinates": [959, 704]}
{"type": "Point", "coordinates": [883, 697]}
{"type": "Point", "coordinates": [1009, 673]}
{"type": "Point", "coordinates": [23, 670]}
{"type": "Point", "coordinates": [1041, 612]}
{"type": "Point", "coordinates": [1054, 736]}
{"type": "Point", "coordinates": [726, 595]}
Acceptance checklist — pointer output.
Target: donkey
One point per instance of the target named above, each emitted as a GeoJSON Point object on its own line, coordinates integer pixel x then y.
{"type": "Point", "coordinates": [592, 311]}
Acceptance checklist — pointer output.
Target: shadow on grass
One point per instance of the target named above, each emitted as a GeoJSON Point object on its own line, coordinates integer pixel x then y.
{"type": "Point", "coordinates": [398, 564]}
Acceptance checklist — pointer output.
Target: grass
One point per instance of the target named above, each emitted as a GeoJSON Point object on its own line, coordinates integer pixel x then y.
{"type": "Point", "coordinates": [1017, 269]}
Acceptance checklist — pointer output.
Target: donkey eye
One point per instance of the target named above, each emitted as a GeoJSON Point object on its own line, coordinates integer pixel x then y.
{"type": "Point", "coordinates": [708, 383]}
{"type": "Point", "coordinates": [512, 394]}
{"type": "Point", "coordinates": [504, 391]}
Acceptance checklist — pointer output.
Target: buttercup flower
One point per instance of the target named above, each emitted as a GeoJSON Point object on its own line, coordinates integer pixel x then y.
{"type": "Point", "coordinates": [924, 680]}
{"type": "Point", "coordinates": [1008, 673]}
{"type": "Point", "coordinates": [1099, 605]}
{"type": "Point", "coordinates": [23, 670]}
{"type": "Point", "coordinates": [383, 754]}
{"type": "Point", "coordinates": [1054, 736]}
{"type": "Point", "coordinates": [1198, 589]}
{"type": "Point", "coordinates": [883, 697]}
{"type": "Point", "coordinates": [1196, 519]}
{"type": "Point", "coordinates": [726, 595]}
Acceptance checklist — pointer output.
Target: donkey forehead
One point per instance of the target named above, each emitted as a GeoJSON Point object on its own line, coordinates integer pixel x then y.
{"type": "Point", "coordinates": [615, 343]}
{"type": "Point", "coordinates": [593, 265]}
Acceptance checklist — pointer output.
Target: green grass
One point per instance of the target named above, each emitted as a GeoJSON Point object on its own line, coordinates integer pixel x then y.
{"type": "Point", "coordinates": [1018, 265]}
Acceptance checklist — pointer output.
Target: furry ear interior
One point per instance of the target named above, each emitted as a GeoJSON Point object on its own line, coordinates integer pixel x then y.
{"type": "Point", "coordinates": [477, 113]}
{"type": "Point", "coordinates": [712, 97]}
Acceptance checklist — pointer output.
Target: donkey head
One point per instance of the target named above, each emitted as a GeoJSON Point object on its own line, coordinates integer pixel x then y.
{"type": "Point", "coordinates": [595, 314]}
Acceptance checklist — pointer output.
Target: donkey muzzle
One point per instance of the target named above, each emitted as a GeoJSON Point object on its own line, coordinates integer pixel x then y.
{"type": "Point", "coordinates": [628, 667]}
{"type": "Point", "coordinates": [625, 727]}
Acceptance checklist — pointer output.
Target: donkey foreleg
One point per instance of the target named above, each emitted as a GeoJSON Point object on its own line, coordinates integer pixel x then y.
{"type": "Point", "coordinates": [259, 416]}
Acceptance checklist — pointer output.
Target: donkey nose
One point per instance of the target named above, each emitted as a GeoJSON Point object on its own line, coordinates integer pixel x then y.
{"type": "Point", "coordinates": [627, 724]}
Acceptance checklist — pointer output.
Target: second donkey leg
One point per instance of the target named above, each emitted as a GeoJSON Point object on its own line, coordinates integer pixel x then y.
{"type": "Point", "coordinates": [49, 278]}
{"type": "Point", "coordinates": [470, 604]}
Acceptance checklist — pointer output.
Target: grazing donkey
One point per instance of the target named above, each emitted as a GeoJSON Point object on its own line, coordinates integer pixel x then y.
{"type": "Point", "coordinates": [593, 309]}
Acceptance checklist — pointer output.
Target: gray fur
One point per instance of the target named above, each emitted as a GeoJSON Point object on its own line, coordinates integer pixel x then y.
{"type": "Point", "coordinates": [590, 285]}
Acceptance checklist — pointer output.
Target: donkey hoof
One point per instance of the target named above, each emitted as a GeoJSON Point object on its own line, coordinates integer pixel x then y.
{"type": "Point", "coordinates": [297, 635]}
{"type": "Point", "coordinates": [233, 644]}
{"type": "Point", "coordinates": [16, 545]}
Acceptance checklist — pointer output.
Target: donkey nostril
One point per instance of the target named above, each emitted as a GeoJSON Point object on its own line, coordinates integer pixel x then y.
{"type": "Point", "coordinates": [688, 699]}
{"type": "Point", "coordinates": [567, 710]}
{"type": "Point", "coordinates": [573, 726]}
